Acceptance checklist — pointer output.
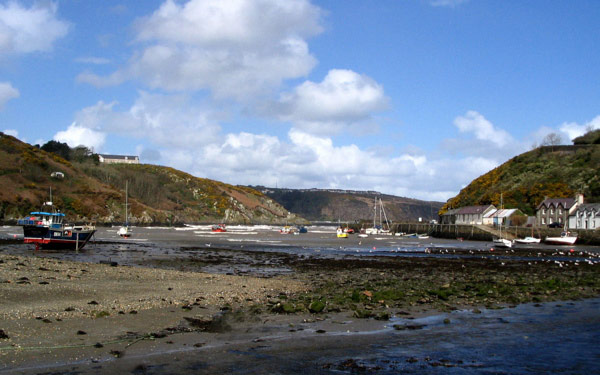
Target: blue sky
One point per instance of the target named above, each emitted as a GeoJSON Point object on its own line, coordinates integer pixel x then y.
{"type": "Point", "coordinates": [413, 98]}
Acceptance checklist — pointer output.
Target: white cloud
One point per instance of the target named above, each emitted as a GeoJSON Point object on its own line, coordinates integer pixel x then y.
{"type": "Point", "coordinates": [174, 131]}
{"type": "Point", "coordinates": [574, 130]}
{"type": "Point", "coordinates": [26, 30]}
{"type": "Point", "coordinates": [234, 48]}
{"type": "Point", "coordinates": [7, 92]}
{"type": "Point", "coordinates": [12, 132]}
{"type": "Point", "coordinates": [305, 160]}
{"type": "Point", "coordinates": [93, 60]}
{"type": "Point", "coordinates": [447, 3]}
{"type": "Point", "coordinates": [473, 122]}
{"type": "Point", "coordinates": [166, 121]}
{"type": "Point", "coordinates": [342, 98]}
{"type": "Point", "coordinates": [77, 135]}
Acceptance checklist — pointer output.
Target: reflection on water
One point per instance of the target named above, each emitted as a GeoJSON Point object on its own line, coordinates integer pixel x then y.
{"type": "Point", "coordinates": [559, 338]}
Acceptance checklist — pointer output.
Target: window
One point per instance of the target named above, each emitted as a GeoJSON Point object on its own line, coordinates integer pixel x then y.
{"type": "Point", "coordinates": [560, 220]}
{"type": "Point", "coordinates": [543, 221]}
{"type": "Point", "coordinates": [552, 211]}
{"type": "Point", "coordinates": [560, 211]}
{"type": "Point", "coordinates": [543, 211]}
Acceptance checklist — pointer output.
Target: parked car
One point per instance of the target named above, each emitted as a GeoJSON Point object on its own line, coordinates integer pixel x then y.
{"type": "Point", "coordinates": [555, 225]}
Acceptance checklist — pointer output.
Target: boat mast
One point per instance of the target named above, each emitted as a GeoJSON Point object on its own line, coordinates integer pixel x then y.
{"type": "Point", "coordinates": [126, 204]}
{"type": "Point", "coordinates": [384, 215]}
{"type": "Point", "coordinates": [375, 213]}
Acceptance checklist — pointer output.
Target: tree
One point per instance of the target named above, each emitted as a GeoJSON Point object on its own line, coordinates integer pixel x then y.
{"type": "Point", "coordinates": [552, 139]}
{"type": "Point", "coordinates": [61, 149]}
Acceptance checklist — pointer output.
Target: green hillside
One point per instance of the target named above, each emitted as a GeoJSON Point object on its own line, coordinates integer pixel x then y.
{"type": "Point", "coordinates": [525, 180]}
{"type": "Point", "coordinates": [91, 191]}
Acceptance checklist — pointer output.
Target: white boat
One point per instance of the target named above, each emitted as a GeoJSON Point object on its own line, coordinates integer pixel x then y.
{"type": "Point", "coordinates": [502, 242]}
{"type": "Point", "coordinates": [287, 230]}
{"type": "Point", "coordinates": [379, 228]}
{"type": "Point", "coordinates": [125, 230]}
{"type": "Point", "coordinates": [341, 234]}
{"type": "Point", "coordinates": [566, 238]}
{"type": "Point", "coordinates": [528, 240]}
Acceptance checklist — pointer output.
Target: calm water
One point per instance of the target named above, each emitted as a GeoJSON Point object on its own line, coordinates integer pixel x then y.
{"type": "Point", "coordinates": [551, 338]}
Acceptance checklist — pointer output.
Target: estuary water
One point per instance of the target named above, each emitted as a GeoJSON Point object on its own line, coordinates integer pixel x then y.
{"type": "Point", "coordinates": [557, 337]}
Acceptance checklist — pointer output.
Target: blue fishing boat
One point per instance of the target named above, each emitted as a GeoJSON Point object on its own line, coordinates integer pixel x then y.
{"type": "Point", "coordinates": [47, 230]}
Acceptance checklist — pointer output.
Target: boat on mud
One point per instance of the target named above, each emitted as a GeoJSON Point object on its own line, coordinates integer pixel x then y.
{"type": "Point", "coordinates": [502, 242]}
{"type": "Point", "coordinates": [341, 234]}
{"type": "Point", "coordinates": [219, 228]}
{"type": "Point", "coordinates": [528, 240]}
{"type": "Point", "coordinates": [125, 230]}
{"type": "Point", "coordinates": [47, 230]}
{"type": "Point", "coordinates": [566, 238]}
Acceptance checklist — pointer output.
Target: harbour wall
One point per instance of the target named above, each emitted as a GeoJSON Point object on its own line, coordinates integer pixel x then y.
{"type": "Point", "coordinates": [476, 233]}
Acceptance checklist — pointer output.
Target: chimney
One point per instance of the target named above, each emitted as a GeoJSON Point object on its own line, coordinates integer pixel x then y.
{"type": "Point", "coordinates": [579, 198]}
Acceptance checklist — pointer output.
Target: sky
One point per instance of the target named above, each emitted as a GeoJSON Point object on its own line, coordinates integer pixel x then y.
{"type": "Point", "coordinates": [414, 98]}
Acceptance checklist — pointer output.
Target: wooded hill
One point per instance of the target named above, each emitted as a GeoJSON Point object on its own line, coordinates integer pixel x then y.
{"type": "Point", "coordinates": [350, 206]}
{"type": "Point", "coordinates": [549, 171]}
{"type": "Point", "coordinates": [91, 191]}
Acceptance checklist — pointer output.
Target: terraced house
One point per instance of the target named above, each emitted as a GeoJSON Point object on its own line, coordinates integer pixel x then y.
{"type": "Point", "coordinates": [557, 210]}
{"type": "Point", "coordinates": [586, 216]}
{"type": "Point", "coordinates": [473, 214]}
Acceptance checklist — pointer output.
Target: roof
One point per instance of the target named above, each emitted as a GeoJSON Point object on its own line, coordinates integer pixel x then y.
{"type": "Point", "coordinates": [565, 202]}
{"type": "Point", "coordinates": [469, 210]}
{"type": "Point", "coordinates": [503, 213]}
{"type": "Point", "coordinates": [121, 157]}
{"type": "Point", "coordinates": [589, 207]}
{"type": "Point", "coordinates": [490, 213]}
{"type": "Point", "coordinates": [453, 211]}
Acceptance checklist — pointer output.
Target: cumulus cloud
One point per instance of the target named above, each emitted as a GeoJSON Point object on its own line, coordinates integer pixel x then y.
{"type": "Point", "coordinates": [235, 49]}
{"type": "Point", "coordinates": [26, 30]}
{"type": "Point", "coordinates": [305, 160]}
{"type": "Point", "coordinates": [574, 130]}
{"type": "Point", "coordinates": [166, 121]}
{"type": "Point", "coordinates": [473, 122]}
{"type": "Point", "coordinates": [7, 92]}
{"type": "Point", "coordinates": [343, 97]}
{"type": "Point", "coordinates": [12, 132]}
{"type": "Point", "coordinates": [77, 135]}
{"type": "Point", "coordinates": [174, 131]}
{"type": "Point", "coordinates": [447, 3]}
{"type": "Point", "coordinates": [92, 60]}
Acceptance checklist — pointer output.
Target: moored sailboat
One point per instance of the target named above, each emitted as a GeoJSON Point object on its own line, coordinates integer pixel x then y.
{"type": "Point", "coordinates": [125, 231]}
{"type": "Point", "coordinates": [501, 241]}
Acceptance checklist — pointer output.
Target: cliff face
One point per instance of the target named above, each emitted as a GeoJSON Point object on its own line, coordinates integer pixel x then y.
{"type": "Point", "coordinates": [327, 205]}
{"type": "Point", "coordinates": [90, 191]}
{"type": "Point", "coordinates": [525, 180]}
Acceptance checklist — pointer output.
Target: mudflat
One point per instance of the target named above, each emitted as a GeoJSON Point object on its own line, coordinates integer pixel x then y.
{"type": "Point", "coordinates": [189, 297]}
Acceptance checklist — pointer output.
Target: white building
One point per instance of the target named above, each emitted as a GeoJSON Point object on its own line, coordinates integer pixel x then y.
{"type": "Point", "coordinates": [586, 216]}
{"type": "Point", "coordinates": [124, 159]}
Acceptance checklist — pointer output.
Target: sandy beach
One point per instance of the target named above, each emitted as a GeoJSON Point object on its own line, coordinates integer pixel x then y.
{"type": "Point", "coordinates": [129, 306]}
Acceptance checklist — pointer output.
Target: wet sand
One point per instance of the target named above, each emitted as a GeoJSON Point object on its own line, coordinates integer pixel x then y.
{"type": "Point", "coordinates": [173, 295]}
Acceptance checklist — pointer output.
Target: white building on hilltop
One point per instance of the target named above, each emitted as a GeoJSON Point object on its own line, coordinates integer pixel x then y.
{"type": "Point", "coordinates": [123, 159]}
